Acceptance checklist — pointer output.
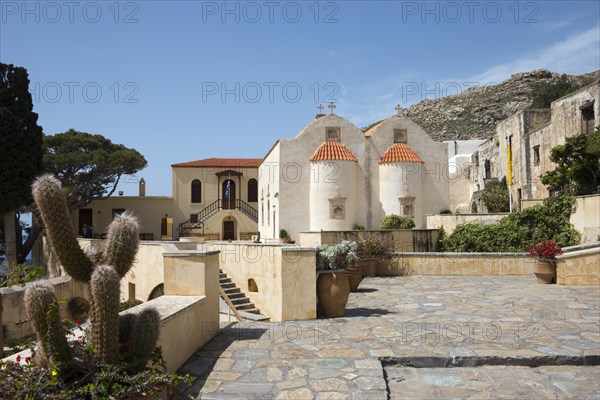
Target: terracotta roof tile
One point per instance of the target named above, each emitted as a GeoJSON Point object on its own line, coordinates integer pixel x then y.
{"type": "Point", "coordinates": [222, 163]}
{"type": "Point", "coordinates": [400, 153]}
{"type": "Point", "coordinates": [333, 151]}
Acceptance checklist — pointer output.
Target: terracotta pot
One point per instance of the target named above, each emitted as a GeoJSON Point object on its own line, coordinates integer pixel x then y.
{"type": "Point", "coordinates": [545, 271]}
{"type": "Point", "coordinates": [370, 266]}
{"type": "Point", "coordinates": [333, 290]}
{"type": "Point", "coordinates": [355, 276]}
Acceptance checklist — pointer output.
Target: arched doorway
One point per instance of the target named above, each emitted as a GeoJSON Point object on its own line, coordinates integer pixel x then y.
{"type": "Point", "coordinates": [228, 194]}
{"type": "Point", "coordinates": [158, 291]}
{"type": "Point", "coordinates": [473, 208]}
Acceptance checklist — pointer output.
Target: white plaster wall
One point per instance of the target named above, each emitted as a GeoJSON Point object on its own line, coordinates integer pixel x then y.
{"type": "Point", "coordinates": [336, 177]}
{"type": "Point", "coordinates": [402, 180]}
{"type": "Point", "coordinates": [268, 185]}
{"type": "Point", "coordinates": [434, 154]}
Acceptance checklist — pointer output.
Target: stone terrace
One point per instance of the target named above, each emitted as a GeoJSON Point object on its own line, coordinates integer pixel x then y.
{"type": "Point", "coordinates": [435, 319]}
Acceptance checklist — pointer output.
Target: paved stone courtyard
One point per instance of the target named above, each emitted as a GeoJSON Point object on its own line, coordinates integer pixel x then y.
{"type": "Point", "coordinates": [369, 353]}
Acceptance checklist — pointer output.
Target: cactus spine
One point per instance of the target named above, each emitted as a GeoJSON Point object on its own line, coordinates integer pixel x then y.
{"type": "Point", "coordinates": [42, 309]}
{"type": "Point", "coordinates": [102, 269]}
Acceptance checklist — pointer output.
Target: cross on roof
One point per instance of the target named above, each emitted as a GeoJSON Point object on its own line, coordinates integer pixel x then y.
{"type": "Point", "coordinates": [320, 108]}
{"type": "Point", "coordinates": [331, 107]}
{"type": "Point", "coordinates": [399, 109]}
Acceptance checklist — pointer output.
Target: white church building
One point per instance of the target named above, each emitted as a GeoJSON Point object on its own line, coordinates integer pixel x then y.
{"type": "Point", "coordinates": [332, 176]}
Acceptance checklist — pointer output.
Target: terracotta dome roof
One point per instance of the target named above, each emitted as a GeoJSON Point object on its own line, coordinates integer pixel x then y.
{"type": "Point", "coordinates": [400, 153]}
{"type": "Point", "coordinates": [333, 151]}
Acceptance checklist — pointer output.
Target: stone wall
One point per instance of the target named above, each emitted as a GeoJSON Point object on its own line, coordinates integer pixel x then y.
{"type": "Point", "coordinates": [403, 239]}
{"type": "Point", "coordinates": [450, 222]}
{"type": "Point", "coordinates": [579, 265]}
{"type": "Point", "coordinates": [279, 280]}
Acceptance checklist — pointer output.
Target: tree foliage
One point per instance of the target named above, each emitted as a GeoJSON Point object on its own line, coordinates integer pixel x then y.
{"type": "Point", "coordinates": [89, 166]}
{"type": "Point", "coordinates": [20, 139]}
{"type": "Point", "coordinates": [394, 221]}
{"type": "Point", "coordinates": [517, 231]}
{"type": "Point", "coordinates": [578, 165]}
{"type": "Point", "coordinates": [544, 93]}
{"type": "Point", "coordinates": [495, 196]}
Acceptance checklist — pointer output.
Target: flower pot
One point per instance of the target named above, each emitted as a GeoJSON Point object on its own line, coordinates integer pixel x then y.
{"type": "Point", "coordinates": [545, 271]}
{"type": "Point", "coordinates": [354, 273]}
{"type": "Point", "coordinates": [333, 290]}
{"type": "Point", "coordinates": [370, 266]}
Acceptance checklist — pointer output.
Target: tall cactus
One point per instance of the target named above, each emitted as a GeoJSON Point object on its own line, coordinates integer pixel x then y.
{"type": "Point", "coordinates": [42, 307]}
{"type": "Point", "coordinates": [102, 269]}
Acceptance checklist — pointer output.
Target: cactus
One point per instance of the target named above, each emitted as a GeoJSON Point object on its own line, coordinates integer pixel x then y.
{"type": "Point", "coordinates": [102, 268]}
{"type": "Point", "coordinates": [105, 290]}
{"type": "Point", "coordinates": [42, 309]}
{"type": "Point", "coordinates": [143, 337]}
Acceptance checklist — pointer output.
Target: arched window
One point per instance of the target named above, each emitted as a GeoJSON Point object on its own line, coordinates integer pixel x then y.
{"type": "Point", "coordinates": [196, 191]}
{"type": "Point", "coordinates": [252, 191]}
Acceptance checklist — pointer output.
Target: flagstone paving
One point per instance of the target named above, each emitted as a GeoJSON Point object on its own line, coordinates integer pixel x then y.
{"type": "Point", "coordinates": [442, 317]}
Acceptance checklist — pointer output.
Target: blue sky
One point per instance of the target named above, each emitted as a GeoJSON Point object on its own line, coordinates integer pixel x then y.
{"type": "Point", "coordinates": [186, 80]}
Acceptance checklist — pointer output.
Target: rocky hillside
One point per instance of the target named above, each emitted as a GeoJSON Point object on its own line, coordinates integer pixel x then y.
{"type": "Point", "coordinates": [474, 113]}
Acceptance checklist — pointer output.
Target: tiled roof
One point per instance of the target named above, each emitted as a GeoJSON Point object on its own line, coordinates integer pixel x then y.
{"type": "Point", "coordinates": [333, 151]}
{"type": "Point", "coordinates": [222, 163]}
{"type": "Point", "coordinates": [400, 153]}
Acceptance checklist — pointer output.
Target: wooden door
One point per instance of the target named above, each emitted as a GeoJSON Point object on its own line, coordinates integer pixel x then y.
{"type": "Point", "coordinates": [228, 230]}
{"type": "Point", "coordinates": [228, 197]}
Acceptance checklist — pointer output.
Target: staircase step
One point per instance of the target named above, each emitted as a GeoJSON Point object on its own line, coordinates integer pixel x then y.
{"type": "Point", "coordinates": [233, 290]}
{"type": "Point", "coordinates": [239, 301]}
{"type": "Point", "coordinates": [235, 295]}
{"type": "Point", "coordinates": [228, 285]}
{"type": "Point", "coordinates": [224, 280]}
{"type": "Point", "coordinates": [245, 306]}
{"type": "Point", "coordinates": [253, 311]}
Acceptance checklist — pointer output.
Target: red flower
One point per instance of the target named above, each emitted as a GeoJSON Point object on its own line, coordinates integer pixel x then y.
{"type": "Point", "coordinates": [77, 322]}
{"type": "Point", "coordinates": [27, 359]}
{"type": "Point", "coordinates": [19, 358]}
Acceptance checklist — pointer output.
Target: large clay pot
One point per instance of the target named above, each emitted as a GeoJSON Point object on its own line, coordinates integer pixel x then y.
{"type": "Point", "coordinates": [369, 266]}
{"type": "Point", "coordinates": [545, 271]}
{"type": "Point", "coordinates": [355, 276]}
{"type": "Point", "coordinates": [333, 290]}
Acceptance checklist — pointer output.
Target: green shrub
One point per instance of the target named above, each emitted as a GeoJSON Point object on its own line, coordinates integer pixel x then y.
{"type": "Point", "coordinates": [282, 234]}
{"type": "Point", "coordinates": [515, 232]}
{"type": "Point", "coordinates": [78, 307]}
{"type": "Point", "coordinates": [374, 247]}
{"type": "Point", "coordinates": [394, 221]}
{"type": "Point", "coordinates": [358, 227]}
{"type": "Point", "coordinates": [445, 212]}
{"type": "Point", "coordinates": [495, 196]}
{"type": "Point", "coordinates": [124, 305]}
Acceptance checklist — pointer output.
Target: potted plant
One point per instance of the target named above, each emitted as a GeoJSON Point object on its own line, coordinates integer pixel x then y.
{"type": "Point", "coordinates": [285, 237]}
{"type": "Point", "coordinates": [371, 251]}
{"type": "Point", "coordinates": [333, 287]}
{"type": "Point", "coordinates": [545, 254]}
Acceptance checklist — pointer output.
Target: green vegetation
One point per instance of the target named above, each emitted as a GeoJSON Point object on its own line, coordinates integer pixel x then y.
{"type": "Point", "coordinates": [495, 196]}
{"type": "Point", "coordinates": [337, 256]}
{"type": "Point", "coordinates": [21, 160]}
{"type": "Point", "coordinates": [544, 93]}
{"type": "Point", "coordinates": [282, 234]}
{"type": "Point", "coordinates": [578, 165]}
{"type": "Point", "coordinates": [446, 212]}
{"type": "Point", "coordinates": [375, 247]}
{"type": "Point", "coordinates": [517, 231]}
{"type": "Point", "coordinates": [394, 221]}
{"type": "Point", "coordinates": [358, 227]}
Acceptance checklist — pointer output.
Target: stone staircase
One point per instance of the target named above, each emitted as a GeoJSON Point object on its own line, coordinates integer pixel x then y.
{"type": "Point", "coordinates": [239, 299]}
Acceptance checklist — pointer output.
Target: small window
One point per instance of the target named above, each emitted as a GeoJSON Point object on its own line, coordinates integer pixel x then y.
{"type": "Point", "coordinates": [536, 155]}
{"type": "Point", "coordinates": [252, 191]}
{"type": "Point", "coordinates": [333, 134]}
{"type": "Point", "coordinates": [588, 121]}
{"type": "Point", "coordinates": [196, 191]}
{"type": "Point", "coordinates": [488, 169]}
{"type": "Point", "coordinates": [400, 136]}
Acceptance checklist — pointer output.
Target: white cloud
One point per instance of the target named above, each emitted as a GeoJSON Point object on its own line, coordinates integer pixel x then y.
{"type": "Point", "coordinates": [578, 53]}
